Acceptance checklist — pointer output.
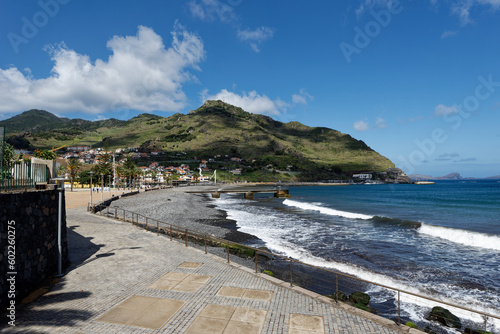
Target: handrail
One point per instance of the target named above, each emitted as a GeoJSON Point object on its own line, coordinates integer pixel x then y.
{"type": "Point", "coordinates": [182, 230]}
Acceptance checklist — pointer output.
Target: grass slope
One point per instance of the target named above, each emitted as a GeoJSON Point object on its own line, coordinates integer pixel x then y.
{"type": "Point", "coordinates": [214, 128]}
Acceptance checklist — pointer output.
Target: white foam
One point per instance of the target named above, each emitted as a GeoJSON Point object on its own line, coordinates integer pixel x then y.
{"type": "Point", "coordinates": [271, 227]}
{"type": "Point", "coordinates": [468, 238]}
{"type": "Point", "coordinates": [325, 210]}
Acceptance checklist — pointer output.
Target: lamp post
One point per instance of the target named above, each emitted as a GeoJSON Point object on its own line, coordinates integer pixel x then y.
{"type": "Point", "coordinates": [109, 184]}
{"type": "Point", "coordinates": [91, 190]}
{"type": "Point", "coordinates": [60, 189]}
{"type": "Point", "coordinates": [102, 184]}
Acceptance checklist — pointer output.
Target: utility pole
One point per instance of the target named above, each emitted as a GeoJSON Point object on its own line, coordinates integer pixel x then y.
{"type": "Point", "coordinates": [114, 172]}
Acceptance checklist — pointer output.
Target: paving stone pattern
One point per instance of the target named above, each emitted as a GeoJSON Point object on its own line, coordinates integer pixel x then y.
{"type": "Point", "coordinates": [114, 263]}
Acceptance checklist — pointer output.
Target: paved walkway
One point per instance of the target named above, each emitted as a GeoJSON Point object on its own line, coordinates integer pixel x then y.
{"type": "Point", "coordinates": [126, 280]}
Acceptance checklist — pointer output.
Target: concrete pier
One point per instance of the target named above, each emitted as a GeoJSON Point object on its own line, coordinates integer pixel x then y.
{"type": "Point", "coordinates": [247, 193]}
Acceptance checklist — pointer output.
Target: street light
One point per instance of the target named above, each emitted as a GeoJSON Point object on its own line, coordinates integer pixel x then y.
{"type": "Point", "coordinates": [91, 190]}
{"type": "Point", "coordinates": [102, 184]}
{"type": "Point", "coordinates": [109, 184]}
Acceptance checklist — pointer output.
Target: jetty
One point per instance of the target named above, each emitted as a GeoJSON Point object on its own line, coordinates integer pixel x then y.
{"type": "Point", "coordinates": [247, 193]}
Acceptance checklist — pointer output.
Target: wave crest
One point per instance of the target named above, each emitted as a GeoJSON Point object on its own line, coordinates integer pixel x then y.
{"type": "Point", "coordinates": [325, 210]}
{"type": "Point", "coordinates": [468, 238]}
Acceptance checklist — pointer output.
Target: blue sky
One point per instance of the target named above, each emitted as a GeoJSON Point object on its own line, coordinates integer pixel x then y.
{"type": "Point", "coordinates": [418, 81]}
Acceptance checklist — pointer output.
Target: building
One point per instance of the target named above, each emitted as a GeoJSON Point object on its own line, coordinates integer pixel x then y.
{"type": "Point", "coordinates": [364, 176]}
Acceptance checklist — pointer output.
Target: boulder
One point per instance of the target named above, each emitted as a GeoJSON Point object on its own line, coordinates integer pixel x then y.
{"type": "Point", "coordinates": [359, 298]}
{"type": "Point", "coordinates": [362, 307]}
{"type": "Point", "coordinates": [445, 317]}
{"type": "Point", "coordinates": [475, 331]}
{"type": "Point", "coordinates": [429, 330]}
{"type": "Point", "coordinates": [340, 295]}
{"type": "Point", "coordinates": [266, 255]}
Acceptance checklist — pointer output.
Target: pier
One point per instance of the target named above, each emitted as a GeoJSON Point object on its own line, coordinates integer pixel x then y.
{"type": "Point", "coordinates": [247, 193]}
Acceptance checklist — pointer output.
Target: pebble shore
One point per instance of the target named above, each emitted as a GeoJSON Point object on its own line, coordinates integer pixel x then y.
{"type": "Point", "coordinates": [191, 211]}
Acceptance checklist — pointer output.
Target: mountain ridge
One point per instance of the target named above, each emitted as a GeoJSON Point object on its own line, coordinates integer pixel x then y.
{"type": "Point", "coordinates": [215, 128]}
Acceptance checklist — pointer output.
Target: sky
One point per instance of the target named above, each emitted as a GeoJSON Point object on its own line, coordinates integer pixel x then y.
{"type": "Point", "coordinates": [417, 81]}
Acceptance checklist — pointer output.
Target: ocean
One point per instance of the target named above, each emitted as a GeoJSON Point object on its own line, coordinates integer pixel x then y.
{"type": "Point", "coordinates": [440, 240]}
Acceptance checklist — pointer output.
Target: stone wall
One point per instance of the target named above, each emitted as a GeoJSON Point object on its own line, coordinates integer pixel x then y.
{"type": "Point", "coordinates": [33, 217]}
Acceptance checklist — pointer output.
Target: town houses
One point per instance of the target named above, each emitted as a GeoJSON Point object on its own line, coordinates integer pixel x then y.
{"type": "Point", "coordinates": [153, 169]}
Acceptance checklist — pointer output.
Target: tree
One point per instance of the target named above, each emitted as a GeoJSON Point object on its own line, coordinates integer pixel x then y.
{"type": "Point", "coordinates": [128, 169]}
{"type": "Point", "coordinates": [104, 167]}
{"type": "Point", "coordinates": [45, 154]}
{"type": "Point", "coordinates": [73, 167]}
{"type": "Point", "coordinates": [8, 156]}
{"type": "Point", "coordinates": [85, 177]}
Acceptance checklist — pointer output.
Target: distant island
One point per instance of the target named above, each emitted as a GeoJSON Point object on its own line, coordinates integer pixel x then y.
{"type": "Point", "coordinates": [451, 176]}
{"type": "Point", "coordinates": [251, 147]}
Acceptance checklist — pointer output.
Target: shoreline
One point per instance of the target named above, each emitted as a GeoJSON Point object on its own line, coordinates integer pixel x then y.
{"type": "Point", "coordinates": [192, 211]}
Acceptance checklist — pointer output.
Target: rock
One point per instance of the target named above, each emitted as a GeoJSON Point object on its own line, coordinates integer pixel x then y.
{"type": "Point", "coordinates": [429, 330]}
{"type": "Point", "coordinates": [475, 331]}
{"type": "Point", "coordinates": [340, 295]}
{"type": "Point", "coordinates": [359, 297]}
{"type": "Point", "coordinates": [445, 317]}
{"type": "Point", "coordinates": [362, 307]}
{"type": "Point", "coordinates": [267, 255]}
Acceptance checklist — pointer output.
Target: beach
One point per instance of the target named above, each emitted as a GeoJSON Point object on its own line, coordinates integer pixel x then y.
{"type": "Point", "coordinates": [195, 212]}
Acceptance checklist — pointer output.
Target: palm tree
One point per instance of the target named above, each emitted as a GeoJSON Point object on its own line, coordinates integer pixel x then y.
{"type": "Point", "coordinates": [128, 170]}
{"type": "Point", "coordinates": [73, 167]}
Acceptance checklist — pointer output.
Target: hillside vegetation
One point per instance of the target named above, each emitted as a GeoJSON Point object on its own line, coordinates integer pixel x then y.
{"type": "Point", "coordinates": [214, 128]}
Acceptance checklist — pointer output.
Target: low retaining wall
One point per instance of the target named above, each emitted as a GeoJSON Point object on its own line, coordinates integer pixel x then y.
{"type": "Point", "coordinates": [104, 204]}
{"type": "Point", "coordinates": [29, 254]}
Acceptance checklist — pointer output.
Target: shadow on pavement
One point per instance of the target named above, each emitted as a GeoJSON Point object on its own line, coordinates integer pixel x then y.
{"type": "Point", "coordinates": [80, 248]}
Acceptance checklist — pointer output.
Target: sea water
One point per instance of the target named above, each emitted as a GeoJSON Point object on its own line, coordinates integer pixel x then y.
{"type": "Point", "coordinates": [440, 240]}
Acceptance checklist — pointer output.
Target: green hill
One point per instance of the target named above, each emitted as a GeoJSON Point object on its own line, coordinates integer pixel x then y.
{"type": "Point", "coordinates": [214, 128]}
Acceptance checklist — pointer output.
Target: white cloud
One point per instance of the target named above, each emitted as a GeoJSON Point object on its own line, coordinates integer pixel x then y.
{"type": "Point", "coordinates": [259, 104]}
{"type": "Point", "coordinates": [361, 126]}
{"type": "Point", "coordinates": [140, 74]}
{"type": "Point", "coordinates": [493, 3]}
{"type": "Point", "coordinates": [251, 102]}
{"type": "Point", "coordinates": [256, 36]}
{"type": "Point", "coordinates": [448, 33]}
{"type": "Point", "coordinates": [298, 99]}
{"type": "Point", "coordinates": [462, 10]}
{"type": "Point", "coordinates": [380, 123]}
{"type": "Point", "coordinates": [367, 5]}
{"type": "Point", "coordinates": [441, 110]}
{"type": "Point", "coordinates": [211, 10]}
{"type": "Point", "coordinates": [416, 119]}
{"type": "Point", "coordinates": [302, 98]}
{"type": "Point", "coordinates": [215, 10]}
{"type": "Point", "coordinates": [100, 118]}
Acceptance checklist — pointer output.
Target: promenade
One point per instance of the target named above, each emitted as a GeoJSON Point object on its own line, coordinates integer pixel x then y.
{"type": "Point", "coordinates": [123, 279]}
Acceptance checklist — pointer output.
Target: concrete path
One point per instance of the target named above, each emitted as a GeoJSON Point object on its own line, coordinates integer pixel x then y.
{"type": "Point", "coordinates": [126, 280]}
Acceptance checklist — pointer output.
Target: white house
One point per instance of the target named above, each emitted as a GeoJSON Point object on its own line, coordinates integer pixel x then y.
{"type": "Point", "coordinates": [364, 176]}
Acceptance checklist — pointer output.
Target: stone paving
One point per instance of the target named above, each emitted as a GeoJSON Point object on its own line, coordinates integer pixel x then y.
{"type": "Point", "coordinates": [126, 280]}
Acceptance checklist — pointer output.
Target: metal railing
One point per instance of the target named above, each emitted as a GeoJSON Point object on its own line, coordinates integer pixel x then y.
{"type": "Point", "coordinates": [389, 301]}
{"type": "Point", "coordinates": [23, 176]}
